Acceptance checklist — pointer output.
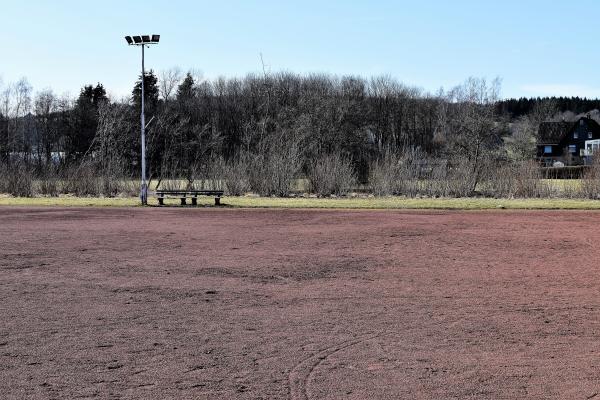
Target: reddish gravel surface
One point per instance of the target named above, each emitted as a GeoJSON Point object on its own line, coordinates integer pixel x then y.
{"type": "Point", "coordinates": [275, 304]}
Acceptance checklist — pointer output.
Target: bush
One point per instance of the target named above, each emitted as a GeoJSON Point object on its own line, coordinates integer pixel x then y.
{"type": "Point", "coordinates": [235, 175]}
{"type": "Point", "coordinates": [500, 182]}
{"type": "Point", "coordinates": [111, 183]}
{"type": "Point", "coordinates": [410, 174]}
{"type": "Point", "coordinates": [18, 180]}
{"type": "Point", "coordinates": [590, 183]}
{"type": "Point", "coordinates": [384, 175]}
{"type": "Point", "coordinates": [3, 178]}
{"type": "Point", "coordinates": [529, 182]}
{"type": "Point", "coordinates": [273, 174]}
{"type": "Point", "coordinates": [48, 182]}
{"type": "Point", "coordinates": [213, 179]}
{"type": "Point", "coordinates": [460, 179]}
{"type": "Point", "coordinates": [519, 179]}
{"type": "Point", "coordinates": [331, 174]}
{"type": "Point", "coordinates": [81, 181]}
{"type": "Point", "coordinates": [414, 173]}
{"type": "Point", "coordinates": [435, 183]}
{"type": "Point", "coordinates": [170, 176]}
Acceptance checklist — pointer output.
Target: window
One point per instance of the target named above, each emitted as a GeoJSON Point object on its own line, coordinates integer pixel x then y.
{"type": "Point", "coordinates": [581, 122]}
{"type": "Point", "coordinates": [576, 135]}
{"type": "Point", "coordinates": [590, 135]}
{"type": "Point", "coordinates": [547, 149]}
{"type": "Point", "coordinates": [572, 149]}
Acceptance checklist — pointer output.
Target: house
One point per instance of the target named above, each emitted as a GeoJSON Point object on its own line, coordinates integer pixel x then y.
{"type": "Point", "coordinates": [571, 143]}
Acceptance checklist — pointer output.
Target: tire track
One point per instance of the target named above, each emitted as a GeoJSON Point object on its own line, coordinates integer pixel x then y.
{"type": "Point", "coordinates": [300, 375]}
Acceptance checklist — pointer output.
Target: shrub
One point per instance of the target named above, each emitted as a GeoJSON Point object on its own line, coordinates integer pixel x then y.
{"type": "Point", "coordinates": [331, 174]}
{"type": "Point", "coordinates": [590, 183]}
{"type": "Point", "coordinates": [410, 174]}
{"type": "Point", "coordinates": [520, 179]}
{"type": "Point", "coordinates": [460, 178]}
{"type": "Point", "coordinates": [501, 181]}
{"type": "Point", "coordinates": [435, 183]}
{"type": "Point", "coordinates": [111, 182]}
{"type": "Point", "coordinates": [235, 175]}
{"type": "Point", "coordinates": [18, 180]}
{"type": "Point", "coordinates": [213, 179]}
{"type": "Point", "coordinates": [384, 175]}
{"type": "Point", "coordinates": [81, 181]}
{"type": "Point", "coordinates": [48, 182]}
{"type": "Point", "coordinates": [273, 173]}
{"type": "Point", "coordinates": [3, 178]}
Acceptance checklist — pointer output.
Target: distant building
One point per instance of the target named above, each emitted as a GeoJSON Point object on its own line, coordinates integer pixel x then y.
{"type": "Point", "coordinates": [56, 157]}
{"type": "Point", "coordinates": [570, 143]}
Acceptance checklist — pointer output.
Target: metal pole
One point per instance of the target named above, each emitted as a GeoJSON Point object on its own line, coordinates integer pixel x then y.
{"type": "Point", "coordinates": [144, 190]}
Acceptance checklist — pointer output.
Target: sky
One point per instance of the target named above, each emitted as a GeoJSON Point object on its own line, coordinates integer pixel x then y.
{"type": "Point", "coordinates": [537, 48]}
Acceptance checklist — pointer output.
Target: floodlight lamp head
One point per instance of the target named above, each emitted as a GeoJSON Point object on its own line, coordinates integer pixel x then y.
{"type": "Point", "coordinates": [146, 38]}
{"type": "Point", "coordinates": [155, 38]}
{"type": "Point", "coordinates": [129, 40]}
{"type": "Point", "coordinates": [137, 39]}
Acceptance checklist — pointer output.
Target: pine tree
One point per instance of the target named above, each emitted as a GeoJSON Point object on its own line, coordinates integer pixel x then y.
{"type": "Point", "coordinates": [185, 90]}
{"type": "Point", "coordinates": [98, 94]}
{"type": "Point", "coordinates": [86, 119]}
{"type": "Point", "coordinates": [151, 92]}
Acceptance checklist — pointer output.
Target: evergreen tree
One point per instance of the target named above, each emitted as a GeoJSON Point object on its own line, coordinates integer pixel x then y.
{"type": "Point", "coordinates": [185, 91]}
{"type": "Point", "coordinates": [86, 119]}
{"type": "Point", "coordinates": [151, 93]}
{"type": "Point", "coordinates": [98, 95]}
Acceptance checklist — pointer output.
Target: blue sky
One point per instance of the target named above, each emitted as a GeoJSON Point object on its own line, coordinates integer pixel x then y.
{"type": "Point", "coordinates": [536, 47]}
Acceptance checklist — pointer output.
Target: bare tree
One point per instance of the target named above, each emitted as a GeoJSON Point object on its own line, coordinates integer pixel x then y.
{"type": "Point", "coordinates": [168, 82]}
{"type": "Point", "coordinates": [22, 105]}
{"type": "Point", "coordinates": [45, 106]}
{"type": "Point", "coordinates": [473, 126]}
{"type": "Point", "coordinates": [520, 145]}
{"type": "Point", "coordinates": [5, 111]}
{"type": "Point", "coordinates": [114, 123]}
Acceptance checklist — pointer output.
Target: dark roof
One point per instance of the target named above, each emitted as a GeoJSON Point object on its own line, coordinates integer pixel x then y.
{"type": "Point", "coordinates": [592, 124]}
{"type": "Point", "coordinates": [553, 132]}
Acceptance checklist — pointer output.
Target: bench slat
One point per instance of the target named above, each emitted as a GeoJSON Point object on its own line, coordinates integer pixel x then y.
{"type": "Point", "coordinates": [190, 192]}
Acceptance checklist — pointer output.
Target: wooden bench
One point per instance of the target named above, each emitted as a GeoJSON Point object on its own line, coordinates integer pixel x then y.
{"type": "Point", "coordinates": [191, 194]}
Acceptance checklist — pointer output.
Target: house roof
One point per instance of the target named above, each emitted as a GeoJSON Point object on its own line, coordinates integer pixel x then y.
{"type": "Point", "coordinates": [559, 132]}
{"type": "Point", "coordinates": [553, 132]}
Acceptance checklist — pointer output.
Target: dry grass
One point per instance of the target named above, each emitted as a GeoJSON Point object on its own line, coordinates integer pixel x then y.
{"type": "Point", "coordinates": [325, 203]}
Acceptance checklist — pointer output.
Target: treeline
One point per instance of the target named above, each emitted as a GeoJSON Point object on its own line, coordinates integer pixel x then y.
{"type": "Point", "coordinates": [198, 120]}
{"type": "Point", "coordinates": [515, 108]}
{"type": "Point", "coordinates": [262, 132]}
{"type": "Point", "coordinates": [34, 128]}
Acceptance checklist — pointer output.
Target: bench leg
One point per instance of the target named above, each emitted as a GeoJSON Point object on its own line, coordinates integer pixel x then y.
{"type": "Point", "coordinates": [194, 201]}
{"type": "Point", "coordinates": [183, 201]}
{"type": "Point", "coordinates": [217, 201]}
{"type": "Point", "coordinates": [160, 201]}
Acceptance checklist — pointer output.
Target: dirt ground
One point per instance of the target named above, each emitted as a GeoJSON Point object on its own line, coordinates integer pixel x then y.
{"type": "Point", "coordinates": [296, 304]}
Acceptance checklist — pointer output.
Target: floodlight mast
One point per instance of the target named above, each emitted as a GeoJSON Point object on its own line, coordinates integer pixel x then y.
{"type": "Point", "coordinates": [143, 41]}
